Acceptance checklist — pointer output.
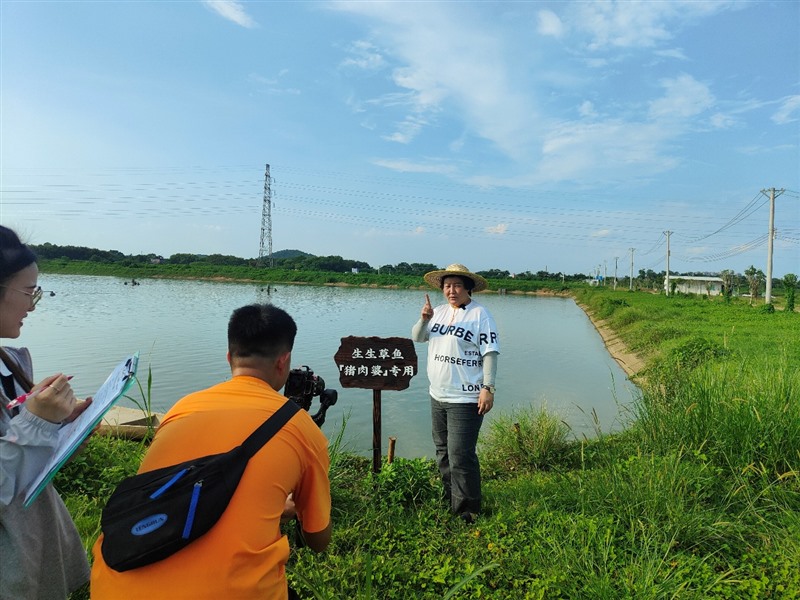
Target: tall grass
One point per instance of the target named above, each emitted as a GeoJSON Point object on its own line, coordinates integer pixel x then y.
{"type": "Point", "coordinates": [741, 413]}
{"type": "Point", "coordinates": [523, 441]}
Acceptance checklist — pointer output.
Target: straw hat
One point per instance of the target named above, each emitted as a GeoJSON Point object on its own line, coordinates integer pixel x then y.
{"type": "Point", "coordinates": [434, 278]}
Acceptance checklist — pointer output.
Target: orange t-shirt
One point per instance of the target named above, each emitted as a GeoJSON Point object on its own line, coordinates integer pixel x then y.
{"type": "Point", "coordinates": [244, 554]}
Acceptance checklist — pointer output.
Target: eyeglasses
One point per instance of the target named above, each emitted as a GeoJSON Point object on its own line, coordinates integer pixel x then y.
{"type": "Point", "coordinates": [35, 295]}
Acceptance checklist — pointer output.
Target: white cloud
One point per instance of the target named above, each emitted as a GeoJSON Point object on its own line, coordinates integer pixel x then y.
{"type": "Point", "coordinates": [405, 166]}
{"type": "Point", "coordinates": [407, 130]}
{"type": "Point", "coordinates": [454, 61]}
{"type": "Point", "coordinates": [586, 109]}
{"type": "Point", "coordinates": [459, 66]}
{"type": "Point", "coordinates": [625, 24]}
{"type": "Point", "coordinates": [498, 229]}
{"type": "Point", "coordinates": [591, 151]}
{"type": "Point", "coordinates": [232, 11]}
{"type": "Point", "coordinates": [549, 24]}
{"type": "Point", "coordinates": [787, 113]}
{"type": "Point", "coordinates": [722, 121]}
{"type": "Point", "coordinates": [271, 85]}
{"type": "Point", "coordinates": [685, 97]}
{"type": "Point", "coordinates": [601, 233]}
{"type": "Point", "coordinates": [365, 56]}
{"type": "Point", "coordinates": [677, 53]}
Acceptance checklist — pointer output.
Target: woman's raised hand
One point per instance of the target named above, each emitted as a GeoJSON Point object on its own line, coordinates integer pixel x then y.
{"type": "Point", "coordinates": [427, 309]}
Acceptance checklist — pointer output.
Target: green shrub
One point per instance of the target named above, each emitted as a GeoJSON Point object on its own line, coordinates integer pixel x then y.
{"type": "Point", "coordinates": [99, 467]}
{"type": "Point", "coordinates": [694, 352]}
{"type": "Point", "coordinates": [405, 484]}
{"type": "Point", "coordinates": [523, 441]}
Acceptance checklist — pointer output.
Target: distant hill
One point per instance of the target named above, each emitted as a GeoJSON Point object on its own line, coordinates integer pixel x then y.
{"type": "Point", "coordinates": [290, 254]}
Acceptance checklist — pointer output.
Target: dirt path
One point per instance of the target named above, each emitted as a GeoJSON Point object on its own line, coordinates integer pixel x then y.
{"type": "Point", "coordinates": [630, 362]}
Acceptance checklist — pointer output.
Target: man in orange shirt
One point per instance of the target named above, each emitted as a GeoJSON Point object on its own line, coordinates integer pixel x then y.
{"type": "Point", "coordinates": [244, 554]}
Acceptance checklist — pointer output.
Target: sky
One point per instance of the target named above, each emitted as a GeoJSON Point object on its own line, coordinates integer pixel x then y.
{"type": "Point", "coordinates": [587, 137]}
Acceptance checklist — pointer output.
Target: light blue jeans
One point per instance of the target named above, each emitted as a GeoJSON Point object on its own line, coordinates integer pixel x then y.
{"type": "Point", "coordinates": [455, 435]}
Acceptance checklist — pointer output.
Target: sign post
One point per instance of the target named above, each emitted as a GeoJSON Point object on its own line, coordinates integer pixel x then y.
{"type": "Point", "coordinates": [376, 364]}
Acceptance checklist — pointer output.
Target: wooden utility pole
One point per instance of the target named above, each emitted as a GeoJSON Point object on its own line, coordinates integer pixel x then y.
{"type": "Point", "coordinates": [771, 237]}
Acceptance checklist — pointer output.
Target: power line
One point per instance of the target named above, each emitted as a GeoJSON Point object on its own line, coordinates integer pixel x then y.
{"type": "Point", "coordinates": [738, 218]}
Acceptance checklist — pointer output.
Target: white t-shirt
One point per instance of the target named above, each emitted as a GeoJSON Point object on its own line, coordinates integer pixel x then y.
{"type": "Point", "coordinates": [458, 338]}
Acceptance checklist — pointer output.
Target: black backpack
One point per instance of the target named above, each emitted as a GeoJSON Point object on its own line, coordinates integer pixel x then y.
{"type": "Point", "coordinates": [152, 515]}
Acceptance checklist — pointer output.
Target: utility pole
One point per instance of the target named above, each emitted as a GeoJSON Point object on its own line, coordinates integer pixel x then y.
{"type": "Point", "coordinates": [616, 261]}
{"type": "Point", "coordinates": [666, 281]}
{"type": "Point", "coordinates": [772, 196]}
{"type": "Point", "coordinates": [630, 281]}
{"type": "Point", "coordinates": [605, 271]}
{"type": "Point", "coordinates": [265, 246]}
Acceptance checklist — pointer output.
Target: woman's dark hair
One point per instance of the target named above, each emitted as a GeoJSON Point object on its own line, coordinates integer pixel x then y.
{"type": "Point", "coordinates": [14, 255]}
{"type": "Point", "coordinates": [260, 330]}
{"type": "Point", "coordinates": [469, 285]}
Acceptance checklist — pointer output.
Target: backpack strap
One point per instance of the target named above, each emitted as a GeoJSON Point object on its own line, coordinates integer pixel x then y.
{"type": "Point", "coordinates": [269, 428]}
{"type": "Point", "coordinates": [16, 371]}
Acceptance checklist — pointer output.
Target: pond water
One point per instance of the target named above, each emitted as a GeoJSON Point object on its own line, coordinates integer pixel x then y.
{"type": "Point", "coordinates": [550, 352]}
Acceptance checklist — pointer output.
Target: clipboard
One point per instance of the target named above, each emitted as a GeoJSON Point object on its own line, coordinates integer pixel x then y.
{"type": "Point", "coordinates": [71, 435]}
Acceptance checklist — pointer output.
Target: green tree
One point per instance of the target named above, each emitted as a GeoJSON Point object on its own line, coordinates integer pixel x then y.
{"type": "Point", "coordinates": [755, 277]}
{"type": "Point", "coordinates": [183, 259]}
{"type": "Point", "coordinates": [727, 284]}
{"type": "Point", "coordinates": [790, 283]}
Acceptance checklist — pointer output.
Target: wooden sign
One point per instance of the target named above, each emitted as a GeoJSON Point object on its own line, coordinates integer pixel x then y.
{"type": "Point", "coordinates": [375, 363]}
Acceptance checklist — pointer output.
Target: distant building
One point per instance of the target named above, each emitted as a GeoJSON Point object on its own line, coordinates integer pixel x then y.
{"type": "Point", "coordinates": [688, 284]}
{"type": "Point", "coordinates": [354, 270]}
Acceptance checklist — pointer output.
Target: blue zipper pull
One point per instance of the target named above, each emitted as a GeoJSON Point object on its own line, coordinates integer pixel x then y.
{"type": "Point", "coordinates": [169, 484]}
{"type": "Point", "coordinates": [187, 528]}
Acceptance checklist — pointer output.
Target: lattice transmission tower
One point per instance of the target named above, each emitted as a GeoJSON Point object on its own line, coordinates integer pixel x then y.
{"type": "Point", "coordinates": [265, 247]}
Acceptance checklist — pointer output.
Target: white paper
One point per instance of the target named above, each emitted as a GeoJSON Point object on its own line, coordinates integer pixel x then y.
{"type": "Point", "coordinates": [71, 435]}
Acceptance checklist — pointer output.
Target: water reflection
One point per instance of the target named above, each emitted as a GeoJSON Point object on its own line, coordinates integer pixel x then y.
{"type": "Point", "coordinates": [550, 354]}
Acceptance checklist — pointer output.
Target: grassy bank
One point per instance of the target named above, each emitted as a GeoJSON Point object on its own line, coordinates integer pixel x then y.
{"type": "Point", "coordinates": [265, 275]}
{"type": "Point", "coordinates": [699, 497]}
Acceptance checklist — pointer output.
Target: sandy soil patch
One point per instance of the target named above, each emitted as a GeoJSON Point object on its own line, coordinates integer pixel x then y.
{"type": "Point", "coordinates": [630, 362]}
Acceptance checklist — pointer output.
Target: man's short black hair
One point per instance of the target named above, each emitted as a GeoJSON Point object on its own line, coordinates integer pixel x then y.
{"type": "Point", "coordinates": [260, 330]}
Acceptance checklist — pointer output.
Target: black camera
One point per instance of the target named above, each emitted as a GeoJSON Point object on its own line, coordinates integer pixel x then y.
{"type": "Point", "coordinates": [302, 386]}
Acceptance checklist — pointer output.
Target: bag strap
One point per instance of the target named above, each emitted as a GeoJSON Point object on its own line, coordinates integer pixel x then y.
{"type": "Point", "coordinates": [268, 428]}
{"type": "Point", "coordinates": [16, 371]}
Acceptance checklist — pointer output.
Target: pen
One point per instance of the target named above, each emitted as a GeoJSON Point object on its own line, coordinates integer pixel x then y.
{"type": "Point", "coordinates": [24, 397]}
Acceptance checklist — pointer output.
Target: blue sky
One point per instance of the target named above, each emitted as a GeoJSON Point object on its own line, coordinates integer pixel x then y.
{"type": "Point", "coordinates": [511, 135]}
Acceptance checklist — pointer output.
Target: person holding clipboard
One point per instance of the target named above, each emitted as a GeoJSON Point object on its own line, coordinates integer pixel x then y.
{"type": "Point", "coordinates": [41, 553]}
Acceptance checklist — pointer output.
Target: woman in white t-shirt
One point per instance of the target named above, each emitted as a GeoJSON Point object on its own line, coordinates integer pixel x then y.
{"type": "Point", "coordinates": [463, 345]}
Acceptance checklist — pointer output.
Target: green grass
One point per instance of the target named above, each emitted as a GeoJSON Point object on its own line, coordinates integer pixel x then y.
{"type": "Point", "coordinates": [698, 496]}
{"type": "Point", "coordinates": [658, 327]}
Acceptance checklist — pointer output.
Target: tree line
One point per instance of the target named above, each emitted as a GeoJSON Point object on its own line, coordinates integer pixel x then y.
{"type": "Point", "coordinates": [752, 280]}
{"type": "Point", "coordinates": [284, 259]}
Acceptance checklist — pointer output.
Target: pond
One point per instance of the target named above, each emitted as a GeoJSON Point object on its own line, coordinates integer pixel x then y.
{"type": "Point", "coordinates": [551, 354]}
